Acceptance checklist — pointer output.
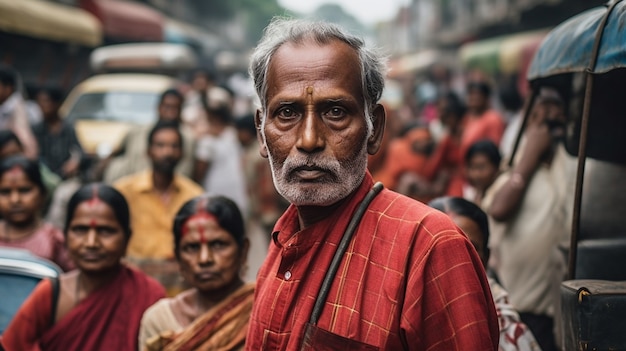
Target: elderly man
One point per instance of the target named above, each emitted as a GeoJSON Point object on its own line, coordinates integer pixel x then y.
{"type": "Point", "coordinates": [408, 279]}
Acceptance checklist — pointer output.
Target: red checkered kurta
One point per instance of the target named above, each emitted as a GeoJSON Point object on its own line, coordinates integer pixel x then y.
{"type": "Point", "coordinates": [408, 281]}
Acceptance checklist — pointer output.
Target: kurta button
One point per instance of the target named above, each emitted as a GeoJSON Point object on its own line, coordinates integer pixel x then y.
{"type": "Point", "coordinates": [287, 275]}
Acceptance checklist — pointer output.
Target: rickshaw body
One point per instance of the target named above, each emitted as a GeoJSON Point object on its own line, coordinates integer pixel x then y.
{"type": "Point", "coordinates": [584, 59]}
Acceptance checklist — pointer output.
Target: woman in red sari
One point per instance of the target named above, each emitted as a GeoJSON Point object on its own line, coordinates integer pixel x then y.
{"type": "Point", "coordinates": [211, 249]}
{"type": "Point", "coordinates": [99, 305]}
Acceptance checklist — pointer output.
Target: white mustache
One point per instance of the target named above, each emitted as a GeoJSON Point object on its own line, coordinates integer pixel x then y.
{"type": "Point", "coordinates": [328, 165]}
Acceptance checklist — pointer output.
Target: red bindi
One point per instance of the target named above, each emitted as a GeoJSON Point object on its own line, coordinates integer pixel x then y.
{"type": "Point", "coordinates": [93, 224]}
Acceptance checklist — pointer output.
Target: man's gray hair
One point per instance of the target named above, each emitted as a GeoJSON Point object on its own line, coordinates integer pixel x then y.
{"type": "Point", "coordinates": [297, 31]}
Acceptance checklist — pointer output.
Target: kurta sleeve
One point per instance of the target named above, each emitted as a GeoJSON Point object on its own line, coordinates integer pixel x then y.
{"type": "Point", "coordinates": [448, 303]}
{"type": "Point", "coordinates": [30, 321]}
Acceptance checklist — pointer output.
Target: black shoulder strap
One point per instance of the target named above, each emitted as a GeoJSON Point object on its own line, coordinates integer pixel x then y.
{"type": "Point", "coordinates": [55, 297]}
{"type": "Point", "coordinates": [341, 249]}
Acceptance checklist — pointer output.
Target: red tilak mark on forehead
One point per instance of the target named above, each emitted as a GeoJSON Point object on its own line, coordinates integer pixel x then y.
{"type": "Point", "coordinates": [15, 171]}
{"type": "Point", "coordinates": [202, 237]}
{"type": "Point", "coordinates": [201, 212]}
{"type": "Point", "coordinates": [200, 215]}
{"type": "Point", "coordinates": [95, 199]}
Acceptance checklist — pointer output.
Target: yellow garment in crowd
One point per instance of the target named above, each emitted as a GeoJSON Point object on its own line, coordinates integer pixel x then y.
{"type": "Point", "coordinates": [151, 219]}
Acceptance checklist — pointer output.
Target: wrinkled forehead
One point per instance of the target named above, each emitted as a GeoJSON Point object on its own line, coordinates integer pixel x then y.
{"type": "Point", "coordinates": [308, 51]}
{"type": "Point", "coordinates": [313, 67]}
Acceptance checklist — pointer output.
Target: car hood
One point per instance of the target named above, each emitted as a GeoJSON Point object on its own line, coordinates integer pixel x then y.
{"type": "Point", "coordinates": [101, 137]}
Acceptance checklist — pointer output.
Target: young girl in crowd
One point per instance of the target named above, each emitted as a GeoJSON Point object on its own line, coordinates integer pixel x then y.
{"type": "Point", "coordinates": [22, 195]}
{"type": "Point", "coordinates": [211, 249]}
{"type": "Point", "coordinates": [482, 165]}
{"type": "Point", "coordinates": [99, 305]}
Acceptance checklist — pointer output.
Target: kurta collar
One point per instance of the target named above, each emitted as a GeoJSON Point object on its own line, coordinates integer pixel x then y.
{"type": "Point", "coordinates": [144, 182]}
{"type": "Point", "coordinates": [287, 229]}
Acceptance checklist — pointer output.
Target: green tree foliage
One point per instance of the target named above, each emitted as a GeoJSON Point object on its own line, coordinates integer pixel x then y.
{"type": "Point", "coordinates": [256, 14]}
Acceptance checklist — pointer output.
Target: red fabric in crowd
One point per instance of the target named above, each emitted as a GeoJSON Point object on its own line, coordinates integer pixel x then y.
{"type": "Point", "coordinates": [108, 319]}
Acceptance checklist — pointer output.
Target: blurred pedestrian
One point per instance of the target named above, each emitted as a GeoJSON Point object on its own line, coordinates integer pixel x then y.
{"type": "Point", "coordinates": [218, 154]}
{"type": "Point", "coordinates": [133, 156]}
{"type": "Point", "coordinates": [408, 153]}
{"type": "Point", "coordinates": [211, 248]}
{"type": "Point", "coordinates": [481, 121]}
{"type": "Point", "coordinates": [514, 334]}
{"type": "Point", "coordinates": [99, 305]}
{"type": "Point", "coordinates": [155, 195]}
{"type": "Point", "coordinates": [445, 167]}
{"type": "Point", "coordinates": [265, 203]}
{"type": "Point", "coordinates": [13, 112]}
{"type": "Point", "coordinates": [59, 149]}
{"type": "Point", "coordinates": [482, 167]}
{"type": "Point", "coordinates": [531, 207]}
{"type": "Point", "coordinates": [10, 145]}
{"type": "Point", "coordinates": [22, 198]}
{"type": "Point", "coordinates": [204, 92]}
{"type": "Point", "coordinates": [512, 103]}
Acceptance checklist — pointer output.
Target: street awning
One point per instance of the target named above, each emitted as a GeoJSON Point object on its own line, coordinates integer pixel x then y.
{"type": "Point", "coordinates": [183, 33]}
{"type": "Point", "coordinates": [413, 63]}
{"type": "Point", "coordinates": [51, 21]}
{"type": "Point", "coordinates": [126, 20]}
{"type": "Point", "coordinates": [568, 48]}
{"type": "Point", "coordinates": [164, 57]}
{"type": "Point", "coordinates": [504, 54]}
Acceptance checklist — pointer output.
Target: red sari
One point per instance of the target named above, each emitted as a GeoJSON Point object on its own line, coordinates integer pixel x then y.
{"type": "Point", "coordinates": [108, 319]}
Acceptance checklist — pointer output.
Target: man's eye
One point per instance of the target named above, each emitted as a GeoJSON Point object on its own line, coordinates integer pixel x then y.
{"type": "Point", "coordinates": [287, 112]}
{"type": "Point", "coordinates": [336, 112]}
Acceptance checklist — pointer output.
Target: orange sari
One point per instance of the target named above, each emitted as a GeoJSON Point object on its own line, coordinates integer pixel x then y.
{"type": "Point", "coordinates": [222, 328]}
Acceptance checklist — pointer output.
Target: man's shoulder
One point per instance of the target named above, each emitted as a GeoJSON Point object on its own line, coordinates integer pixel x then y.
{"type": "Point", "coordinates": [399, 212]}
{"type": "Point", "coordinates": [187, 184]}
{"type": "Point", "coordinates": [131, 181]}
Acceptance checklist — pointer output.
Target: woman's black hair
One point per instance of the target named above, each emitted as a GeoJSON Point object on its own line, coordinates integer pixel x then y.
{"type": "Point", "coordinates": [225, 211]}
{"type": "Point", "coordinates": [487, 148]}
{"type": "Point", "coordinates": [173, 92]}
{"type": "Point", "coordinates": [54, 93]}
{"type": "Point", "coordinates": [29, 167]}
{"type": "Point", "coordinates": [246, 123]}
{"type": "Point", "coordinates": [160, 125]}
{"type": "Point", "coordinates": [106, 194]}
{"type": "Point", "coordinates": [465, 208]}
{"type": "Point", "coordinates": [483, 87]}
{"type": "Point", "coordinates": [7, 136]}
{"type": "Point", "coordinates": [453, 105]}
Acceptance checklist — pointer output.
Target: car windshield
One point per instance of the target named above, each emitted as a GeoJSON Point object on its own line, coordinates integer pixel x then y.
{"type": "Point", "coordinates": [131, 107]}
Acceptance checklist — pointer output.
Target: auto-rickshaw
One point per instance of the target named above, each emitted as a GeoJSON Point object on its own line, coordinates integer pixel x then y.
{"type": "Point", "coordinates": [584, 59]}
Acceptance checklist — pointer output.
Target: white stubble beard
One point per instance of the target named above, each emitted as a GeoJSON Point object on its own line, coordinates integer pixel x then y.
{"type": "Point", "coordinates": [347, 176]}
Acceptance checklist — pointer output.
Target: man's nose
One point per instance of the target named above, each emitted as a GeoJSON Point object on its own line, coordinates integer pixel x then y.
{"type": "Point", "coordinates": [311, 136]}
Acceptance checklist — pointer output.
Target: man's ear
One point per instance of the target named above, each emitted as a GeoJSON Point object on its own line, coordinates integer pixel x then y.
{"type": "Point", "coordinates": [258, 117]}
{"type": "Point", "coordinates": [375, 140]}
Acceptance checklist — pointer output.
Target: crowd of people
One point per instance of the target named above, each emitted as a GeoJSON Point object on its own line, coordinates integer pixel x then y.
{"type": "Point", "coordinates": [155, 238]}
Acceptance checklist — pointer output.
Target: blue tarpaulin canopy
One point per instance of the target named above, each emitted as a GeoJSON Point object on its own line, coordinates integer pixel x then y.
{"type": "Point", "coordinates": [568, 47]}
